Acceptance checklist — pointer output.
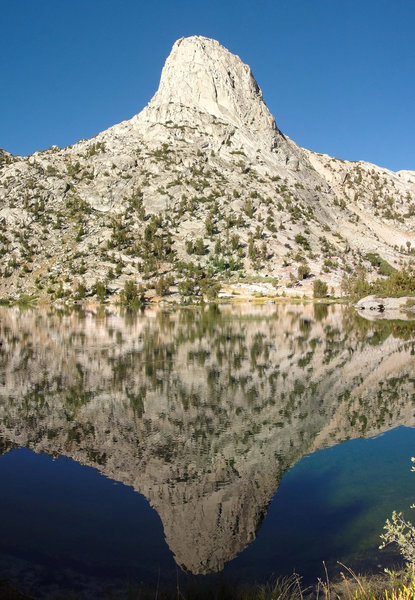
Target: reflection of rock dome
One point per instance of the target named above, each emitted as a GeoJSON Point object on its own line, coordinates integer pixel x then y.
{"type": "Point", "coordinates": [212, 528]}
{"type": "Point", "coordinates": [201, 413]}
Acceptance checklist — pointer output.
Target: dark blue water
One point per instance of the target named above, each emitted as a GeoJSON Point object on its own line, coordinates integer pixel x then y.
{"type": "Point", "coordinates": [330, 506]}
{"type": "Point", "coordinates": [59, 514]}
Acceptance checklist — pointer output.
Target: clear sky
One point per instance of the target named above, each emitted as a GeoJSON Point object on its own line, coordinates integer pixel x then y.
{"type": "Point", "coordinates": [338, 75]}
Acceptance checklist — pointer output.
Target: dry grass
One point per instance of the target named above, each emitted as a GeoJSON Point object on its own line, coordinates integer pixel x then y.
{"type": "Point", "coordinates": [386, 586]}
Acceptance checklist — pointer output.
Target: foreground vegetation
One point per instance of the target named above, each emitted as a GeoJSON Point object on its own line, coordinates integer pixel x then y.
{"type": "Point", "coordinates": [392, 586]}
{"type": "Point", "coordinates": [395, 285]}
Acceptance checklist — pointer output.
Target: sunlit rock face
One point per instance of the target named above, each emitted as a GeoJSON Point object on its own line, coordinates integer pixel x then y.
{"type": "Point", "coordinates": [202, 77]}
{"type": "Point", "coordinates": [201, 411]}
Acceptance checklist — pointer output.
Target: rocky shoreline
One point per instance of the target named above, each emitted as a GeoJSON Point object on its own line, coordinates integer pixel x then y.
{"type": "Point", "coordinates": [373, 307]}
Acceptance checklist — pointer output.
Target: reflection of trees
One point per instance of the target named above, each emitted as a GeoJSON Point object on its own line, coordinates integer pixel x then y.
{"type": "Point", "coordinates": [321, 311]}
{"type": "Point", "coordinates": [377, 331]}
{"type": "Point", "coordinates": [202, 410]}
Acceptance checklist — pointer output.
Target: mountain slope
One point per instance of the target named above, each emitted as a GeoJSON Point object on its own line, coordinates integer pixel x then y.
{"type": "Point", "coordinates": [201, 177]}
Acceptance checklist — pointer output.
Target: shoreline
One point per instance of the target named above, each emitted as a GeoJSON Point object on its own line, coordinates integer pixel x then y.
{"type": "Point", "coordinates": [346, 585]}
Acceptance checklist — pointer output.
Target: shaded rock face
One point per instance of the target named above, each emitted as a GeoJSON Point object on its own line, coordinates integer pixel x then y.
{"type": "Point", "coordinates": [201, 411]}
{"type": "Point", "coordinates": [203, 178]}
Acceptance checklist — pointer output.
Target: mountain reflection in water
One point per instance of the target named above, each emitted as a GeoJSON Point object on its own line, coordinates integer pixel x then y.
{"type": "Point", "coordinates": [201, 410]}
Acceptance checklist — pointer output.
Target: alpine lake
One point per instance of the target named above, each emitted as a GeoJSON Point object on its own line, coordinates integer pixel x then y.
{"type": "Point", "coordinates": [224, 442]}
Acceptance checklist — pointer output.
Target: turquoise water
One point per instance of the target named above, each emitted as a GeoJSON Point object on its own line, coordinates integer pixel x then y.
{"type": "Point", "coordinates": [332, 505]}
{"type": "Point", "coordinates": [233, 442]}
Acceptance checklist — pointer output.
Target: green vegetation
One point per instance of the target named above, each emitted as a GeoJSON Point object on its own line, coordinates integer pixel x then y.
{"type": "Point", "coordinates": [198, 247]}
{"type": "Point", "coordinates": [383, 267]}
{"type": "Point", "coordinates": [377, 331]}
{"type": "Point", "coordinates": [95, 149]}
{"type": "Point", "coordinates": [80, 291]}
{"type": "Point", "coordinates": [187, 287]}
{"type": "Point", "coordinates": [100, 290]}
{"type": "Point", "coordinates": [397, 284]}
{"type": "Point", "coordinates": [23, 301]}
{"type": "Point", "coordinates": [199, 283]}
{"type": "Point", "coordinates": [304, 271]}
{"type": "Point", "coordinates": [320, 289]}
{"type": "Point", "coordinates": [356, 286]}
{"type": "Point", "coordinates": [240, 221]}
{"type": "Point", "coordinates": [209, 288]}
{"type": "Point", "coordinates": [231, 349]}
{"type": "Point", "coordinates": [302, 241]}
{"type": "Point", "coordinates": [163, 285]}
{"type": "Point", "coordinates": [401, 532]}
{"type": "Point", "coordinates": [131, 296]}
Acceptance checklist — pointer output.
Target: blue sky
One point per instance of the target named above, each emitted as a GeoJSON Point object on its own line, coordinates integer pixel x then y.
{"type": "Point", "coordinates": [338, 75]}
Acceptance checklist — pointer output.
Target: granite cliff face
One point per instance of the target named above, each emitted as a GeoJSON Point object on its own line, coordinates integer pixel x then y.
{"type": "Point", "coordinates": [203, 85]}
{"type": "Point", "coordinates": [201, 184]}
{"type": "Point", "coordinates": [202, 412]}
{"type": "Point", "coordinates": [201, 77]}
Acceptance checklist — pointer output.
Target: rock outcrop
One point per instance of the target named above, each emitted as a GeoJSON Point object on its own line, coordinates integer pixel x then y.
{"type": "Point", "coordinates": [201, 77]}
{"type": "Point", "coordinates": [374, 307]}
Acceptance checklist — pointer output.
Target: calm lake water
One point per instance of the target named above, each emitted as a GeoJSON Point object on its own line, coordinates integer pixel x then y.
{"type": "Point", "coordinates": [229, 442]}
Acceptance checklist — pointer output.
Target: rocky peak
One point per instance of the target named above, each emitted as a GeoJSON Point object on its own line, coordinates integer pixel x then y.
{"type": "Point", "coordinates": [201, 76]}
{"type": "Point", "coordinates": [162, 193]}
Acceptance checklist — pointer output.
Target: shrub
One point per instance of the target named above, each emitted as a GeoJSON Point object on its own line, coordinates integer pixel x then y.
{"type": "Point", "coordinates": [302, 241]}
{"type": "Point", "coordinates": [380, 264]}
{"type": "Point", "coordinates": [210, 289]}
{"type": "Point", "coordinates": [187, 287]}
{"type": "Point", "coordinates": [253, 251]}
{"type": "Point", "coordinates": [163, 285]}
{"type": "Point", "coordinates": [399, 283]}
{"type": "Point", "coordinates": [51, 171]}
{"type": "Point", "coordinates": [320, 289]}
{"type": "Point", "coordinates": [401, 532]}
{"type": "Point", "coordinates": [199, 247]}
{"type": "Point", "coordinates": [100, 289]}
{"type": "Point", "coordinates": [248, 208]}
{"type": "Point", "coordinates": [356, 286]}
{"type": "Point", "coordinates": [303, 272]}
{"type": "Point", "coordinates": [80, 291]}
{"type": "Point", "coordinates": [60, 292]}
{"type": "Point", "coordinates": [210, 228]}
{"type": "Point", "coordinates": [131, 296]}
